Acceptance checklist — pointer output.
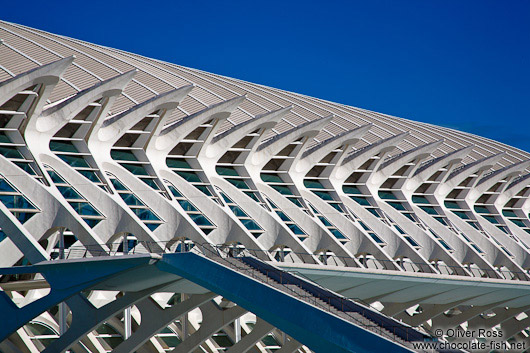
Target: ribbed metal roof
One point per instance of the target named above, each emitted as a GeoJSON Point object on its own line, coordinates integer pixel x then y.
{"type": "Point", "coordinates": [26, 48]}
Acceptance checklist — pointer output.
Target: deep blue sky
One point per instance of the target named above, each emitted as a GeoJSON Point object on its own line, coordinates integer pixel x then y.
{"type": "Point", "coordinates": [460, 64]}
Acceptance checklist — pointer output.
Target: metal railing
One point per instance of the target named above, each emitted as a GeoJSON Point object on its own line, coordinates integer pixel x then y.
{"type": "Point", "coordinates": [333, 303]}
{"type": "Point", "coordinates": [149, 247]}
{"type": "Point", "coordinates": [357, 313]}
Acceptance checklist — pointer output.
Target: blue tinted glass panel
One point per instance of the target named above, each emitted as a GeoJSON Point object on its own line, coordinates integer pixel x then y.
{"type": "Point", "coordinates": [90, 175]}
{"type": "Point", "coordinates": [91, 222]}
{"type": "Point", "coordinates": [313, 184]}
{"type": "Point", "coordinates": [26, 167]}
{"type": "Point", "coordinates": [284, 190]}
{"type": "Point", "coordinates": [323, 195]}
{"type": "Point", "coordinates": [145, 214]}
{"type": "Point", "coordinates": [351, 190]}
{"type": "Point", "coordinates": [252, 195]}
{"type": "Point", "coordinates": [295, 229]}
{"type": "Point", "coordinates": [10, 152]}
{"type": "Point", "coordinates": [189, 176]}
{"type": "Point", "coordinates": [337, 234]}
{"type": "Point", "coordinates": [23, 216]}
{"type": "Point", "coordinates": [226, 171]}
{"type": "Point", "coordinates": [325, 221]}
{"type": "Point", "coordinates": [150, 182]}
{"type": "Point", "coordinates": [152, 226]}
{"type": "Point", "coordinates": [63, 146]}
{"type": "Point", "coordinates": [131, 200]}
{"type": "Point", "coordinates": [186, 205]}
{"type": "Point", "coordinates": [238, 183]}
{"type": "Point", "coordinates": [360, 200]}
{"type": "Point", "coordinates": [376, 238]}
{"type": "Point", "coordinates": [117, 185]}
{"type": "Point", "coordinates": [429, 210]}
{"type": "Point", "coordinates": [123, 155]}
{"type": "Point", "coordinates": [271, 178]}
{"type": "Point", "coordinates": [397, 205]}
{"type": "Point", "coordinates": [250, 224]}
{"type": "Point", "coordinates": [69, 193]}
{"type": "Point", "coordinates": [74, 161]}
{"type": "Point", "coordinates": [136, 169]}
{"type": "Point", "coordinates": [419, 199]}
{"type": "Point", "coordinates": [5, 186]}
{"type": "Point", "coordinates": [238, 211]}
{"type": "Point", "coordinates": [174, 191]}
{"type": "Point", "coordinates": [204, 189]}
{"type": "Point", "coordinates": [387, 195]}
{"type": "Point", "coordinates": [177, 163]}
{"type": "Point", "coordinates": [200, 220]}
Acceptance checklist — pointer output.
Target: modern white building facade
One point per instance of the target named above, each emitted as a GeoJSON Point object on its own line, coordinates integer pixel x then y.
{"type": "Point", "coordinates": [104, 151]}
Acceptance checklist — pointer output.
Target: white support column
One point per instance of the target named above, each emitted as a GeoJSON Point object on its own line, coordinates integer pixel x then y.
{"type": "Point", "coordinates": [237, 329]}
{"type": "Point", "coordinates": [63, 311]}
{"type": "Point", "coordinates": [127, 320]}
{"type": "Point", "coordinates": [184, 319]}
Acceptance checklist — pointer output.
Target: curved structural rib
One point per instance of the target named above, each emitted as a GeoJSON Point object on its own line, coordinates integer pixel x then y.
{"type": "Point", "coordinates": [104, 152]}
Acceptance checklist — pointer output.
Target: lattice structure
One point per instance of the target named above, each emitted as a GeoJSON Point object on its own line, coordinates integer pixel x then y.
{"type": "Point", "coordinates": [100, 146]}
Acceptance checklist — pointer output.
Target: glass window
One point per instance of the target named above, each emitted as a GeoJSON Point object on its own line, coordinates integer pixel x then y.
{"type": "Point", "coordinates": [145, 214]}
{"type": "Point", "coordinates": [69, 193]}
{"type": "Point", "coordinates": [117, 185]}
{"type": "Point", "coordinates": [419, 199]}
{"type": "Point", "coordinates": [284, 190]}
{"type": "Point", "coordinates": [452, 204]}
{"type": "Point", "coordinates": [10, 152]}
{"type": "Point", "coordinates": [351, 190]}
{"type": "Point", "coordinates": [376, 238]}
{"type": "Point", "coordinates": [295, 229]}
{"type": "Point", "coordinates": [226, 171]}
{"type": "Point", "coordinates": [283, 216]}
{"type": "Point", "coordinates": [397, 205]}
{"type": "Point", "coordinates": [16, 201]}
{"type": "Point", "coordinates": [131, 200]}
{"type": "Point", "coordinates": [62, 146]}
{"type": "Point", "coordinates": [5, 186]}
{"type": "Point", "coordinates": [74, 161]}
{"type": "Point", "coordinates": [122, 155]}
{"type": "Point", "coordinates": [174, 191]}
{"type": "Point", "coordinates": [200, 220]}
{"type": "Point", "coordinates": [90, 175]}
{"type": "Point", "coordinates": [238, 183]}
{"type": "Point", "coordinates": [204, 189]}
{"type": "Point", "coordinates": [296, 201]}
{"type": "Point", "coordinates": [150, 182]}
{"type": "Point", "coordinates": [152, 226]}
{"type": "Point", "coordinates": [360, 200]}
{"type": "Point", "coordinates": [238, 211]}
{"type": "Point", "coordinates": [84, 209]}
{"type": "Point", "coordinates": [313, 184]}
{"type": "Point", "coordinates": [429, 209]}
{"type": "Point", "coordinates": [177, 163]}
{"type": "Point", "coordinates": [187, 206]}
{"type": "Point", "coordinates": [337, 234]}
{"type": "Point", "coordinates": [387, 195]}
{"type": "Point", "coordinates": [461, 214]}
{"type": "Point", "coordinates": [26, 167]}
{"type": "Point", "coordinates": [134, 168]}
{"type": "Point", "coordinates": [252, 195]}
{"type": "Point", "coordinates": [189, 176]}
{"type": "Point", "coordinates": [323, 195]}
{"type": "Point", "coordinates": [271, 178]}
{"type": "Point", "coordinates": [250, 224]}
